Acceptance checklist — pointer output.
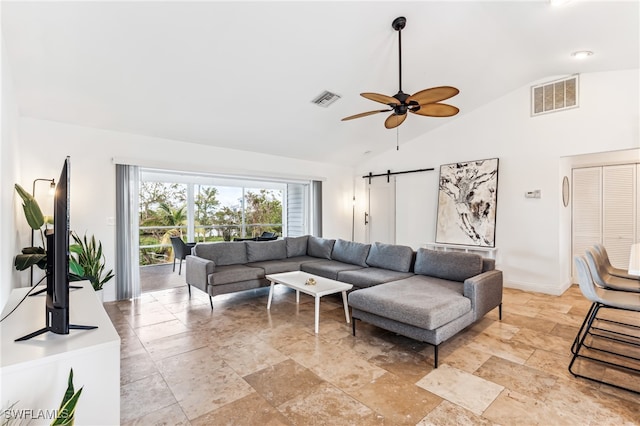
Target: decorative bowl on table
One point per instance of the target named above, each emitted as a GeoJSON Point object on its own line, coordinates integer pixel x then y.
{"type": "Point", "coordinates": [310, 281]}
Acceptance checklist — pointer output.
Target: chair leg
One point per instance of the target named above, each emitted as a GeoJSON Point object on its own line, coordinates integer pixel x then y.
{"type": "Point", "coordinates": [174, 267]}
{"type": "Point", "coordinates": [353, 325]}
{"type": "Point", "coordinates": [189, 288]}
{"type": "Point", "coordinates": [174, 264]}
{"type": "Point", "coordinates": [500, 311]}
{"type": "Point", "coordinates": [580, 340]}
{"type": "Point", "coordinates": [211, 302]}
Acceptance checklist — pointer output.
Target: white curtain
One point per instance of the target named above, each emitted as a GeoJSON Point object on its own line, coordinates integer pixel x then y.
{"type": "Point", "coordinates": [127, 232]}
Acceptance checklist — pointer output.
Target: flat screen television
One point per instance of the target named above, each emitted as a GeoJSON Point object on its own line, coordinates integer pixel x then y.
{"type": "Point", "coordinates": [57, 294]}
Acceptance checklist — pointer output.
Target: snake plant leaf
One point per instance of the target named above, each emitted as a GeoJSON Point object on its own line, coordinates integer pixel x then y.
{"type": "Point", "coordinates": [32, 211]}
{"type": "Point", "coordinates": [67, 409]}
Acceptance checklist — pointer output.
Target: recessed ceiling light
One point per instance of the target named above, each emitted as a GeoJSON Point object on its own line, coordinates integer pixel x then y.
{"type": "Point", "coordinates": [559, 2]}
{"type": "Point", "coordinates": [581, 54]}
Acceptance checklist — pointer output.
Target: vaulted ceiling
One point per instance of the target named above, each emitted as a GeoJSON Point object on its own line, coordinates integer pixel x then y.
{"type": "Point", "coordinates": [242, 74]}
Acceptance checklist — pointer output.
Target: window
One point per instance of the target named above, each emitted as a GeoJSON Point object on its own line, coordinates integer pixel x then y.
{"type": "Point", "coordinates": [207, 208]}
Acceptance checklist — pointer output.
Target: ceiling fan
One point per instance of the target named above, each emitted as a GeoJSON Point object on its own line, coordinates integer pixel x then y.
{"type": "Point", "coordinates": [425, 102]}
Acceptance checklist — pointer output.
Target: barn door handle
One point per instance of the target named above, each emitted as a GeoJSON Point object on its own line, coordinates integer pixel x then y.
{"type": "Point", "coordinates": [366, 218]}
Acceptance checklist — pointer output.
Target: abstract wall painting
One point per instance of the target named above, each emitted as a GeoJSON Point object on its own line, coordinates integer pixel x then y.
{"type": "Point", "coordinates": [467, 201]}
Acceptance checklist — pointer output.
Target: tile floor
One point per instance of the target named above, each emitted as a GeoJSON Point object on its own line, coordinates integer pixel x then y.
{"type": "Point", "coordinates": [240, 364]}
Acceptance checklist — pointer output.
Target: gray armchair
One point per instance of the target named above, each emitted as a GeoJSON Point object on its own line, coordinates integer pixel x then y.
{"type": "Point", "coordinates": [180, 251]}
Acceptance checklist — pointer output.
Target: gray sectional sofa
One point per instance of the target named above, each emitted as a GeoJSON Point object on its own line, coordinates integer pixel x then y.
{"type": "Point", "coordinates": [426, 295]}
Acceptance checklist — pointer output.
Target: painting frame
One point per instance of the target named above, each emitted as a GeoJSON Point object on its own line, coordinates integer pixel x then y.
{"type": "Point", "coordinates": [467, 203]}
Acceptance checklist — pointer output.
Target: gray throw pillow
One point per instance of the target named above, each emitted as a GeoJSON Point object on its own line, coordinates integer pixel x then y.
{"type": "Point", "coordinates": [259, 251]}
{"type": "Point", "coordinates": [320, 247]}
{"type": "Point", "coordinates": [448, 265]}
{"type": "Point", "coordinates": [390, 256]}
{"type": "Point", "coordinates": [296, 246]}
{"type": "Point", "coordinates": [350, 252]}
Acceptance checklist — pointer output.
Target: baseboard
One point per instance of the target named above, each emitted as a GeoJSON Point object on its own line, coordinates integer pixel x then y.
{"type": "Point", "coordinates": [554, 290]}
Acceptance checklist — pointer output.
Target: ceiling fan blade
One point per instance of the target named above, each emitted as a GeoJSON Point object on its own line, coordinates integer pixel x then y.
{"type": "Point", "coordinates": [383, 99]}
{"type": "Point", "coordinates": [436, 110]}
{"type": "Point", "coordinates": [394, 120]}
{"type": "Point", "coordinates": [364, 114]}
{"type": "Point", "coordinates": [435, 94]}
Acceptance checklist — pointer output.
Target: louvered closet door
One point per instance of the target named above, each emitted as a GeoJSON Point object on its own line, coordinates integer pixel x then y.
{"type": "Point", "coordinates": [586, 210]}
{"type": "Point", "coordinates": [618, 216]}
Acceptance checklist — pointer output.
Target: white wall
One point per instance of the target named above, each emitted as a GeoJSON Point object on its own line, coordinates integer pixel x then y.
{"type": "Point", "coordinates": [10, 210]}
{"type": "Point", "coordinates": [93, 173]}
{"type": "Point", "coordinates": [530, 233]}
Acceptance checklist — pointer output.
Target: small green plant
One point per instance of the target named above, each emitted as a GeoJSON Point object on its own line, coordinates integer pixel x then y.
{"type": "Point", "coordinates": [31, 256]}
{"type": "Point", "coordinates": [87, 261]}
{"type": "Point", "coordinates": [67, 409]}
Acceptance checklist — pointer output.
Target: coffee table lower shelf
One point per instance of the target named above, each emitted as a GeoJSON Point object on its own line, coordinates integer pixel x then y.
{"type": "Point", "coordinates": [324, 286]}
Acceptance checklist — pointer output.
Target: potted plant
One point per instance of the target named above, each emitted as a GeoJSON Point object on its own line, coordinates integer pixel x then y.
{"type": "Point", "coordinates": [87, 261]}
{"type": "Point", "coordinates": [32, 256]}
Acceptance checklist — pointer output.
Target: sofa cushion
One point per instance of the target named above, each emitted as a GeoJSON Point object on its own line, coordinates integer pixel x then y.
{"type": "Point", "coordinates": [223, 253]}
{"type": "Point", "coordinates": [327, 268]}
{"type": "Point", "coordinates": [448, 265]}
{"type": "Point", "coordinates": [275, 266]}
{"type": "Point", "coordinates": [320, 247]}
{"type": "Point", "coordinates": [390, 256]}
{"type": "Point", "coordinates": [350, 252]}
{"type": "Point", "coordinates": [296, 246]}
{"type": "Point", "coordinates": [367, 277]}
{"type": "Point", "coordinates": [266, 250]}
{"type": "Point", "coordinates": [234, 273]}
{"type": "Point", "coordinates": [424, 302]}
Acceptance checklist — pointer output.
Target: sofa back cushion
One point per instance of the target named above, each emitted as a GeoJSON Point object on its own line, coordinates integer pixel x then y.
{"type": "Point", "coordinates": [448, 265]}
{"type": "Point", "coordinates": [259, 251]}
{"type": "Point", "coordinates": [390, 256]}
{"type": "Point", "coordinates": [350, 252]}
{"type": "Point", "coordinates": [225, 253]}
{"type": "Point", "coordinates": [320, 247]}
{"type": "Point", "coordinates": [488, 264]}
{"type": "Point", "coordinates": [296, 246]}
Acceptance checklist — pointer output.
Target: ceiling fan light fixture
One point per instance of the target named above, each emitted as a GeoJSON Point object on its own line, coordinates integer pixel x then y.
{"type": "Point", "coordinates": [424, 102]}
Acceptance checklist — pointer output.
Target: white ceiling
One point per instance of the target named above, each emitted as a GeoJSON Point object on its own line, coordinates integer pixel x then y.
{"type": "Point", "coordinates": [242, 74]}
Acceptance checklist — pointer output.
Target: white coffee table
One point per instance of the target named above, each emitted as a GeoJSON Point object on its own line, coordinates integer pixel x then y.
{"type": "Point", "coordinates": [324, 286]}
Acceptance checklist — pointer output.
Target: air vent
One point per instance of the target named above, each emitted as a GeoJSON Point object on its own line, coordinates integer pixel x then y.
{"type": "Point", "coordinates": [557, 95]}
{"type": "Point", "coordinates": [325, 99]}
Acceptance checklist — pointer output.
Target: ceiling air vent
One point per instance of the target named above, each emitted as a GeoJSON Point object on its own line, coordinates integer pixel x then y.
{"type": "Point", "coordinates": [557, 95]}
{"type": "Point", "coordinates": [325, 99]}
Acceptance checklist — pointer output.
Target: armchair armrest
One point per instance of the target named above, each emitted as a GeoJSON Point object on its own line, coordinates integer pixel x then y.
{"type": "Point", "coordinates": [198, 270]}
{"type": "Point", "coordinates": [485, 292]}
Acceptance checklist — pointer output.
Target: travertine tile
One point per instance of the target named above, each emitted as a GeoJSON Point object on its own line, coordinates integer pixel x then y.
{"type": "Point", "coordinates": [400, 402]}
{"type": "Point", "coordinates": [520, 378]}
{"type": "Point", "coordinates": [144, 396]}
{"type": "Point", "coordinates": [507, 349]}
{"type": "Point", "coordinates": [211, 390]}
{"type": "Point", "coordinates": [447, 413]}
{"type": "Point", "coordinates": [157, 331]}
{"type": "Point", "coordinates": [249, 410]}
{"type": "Point", "coordinates": [460, 387]}
{"type": "Point", "coordinates": [168, 416]}
{"type": "Point", "coordinates": [513, 408]}
{"type": "Point", "coordinates": [281, 382]}
{"type": "Point", "coordinates": [327, 405]}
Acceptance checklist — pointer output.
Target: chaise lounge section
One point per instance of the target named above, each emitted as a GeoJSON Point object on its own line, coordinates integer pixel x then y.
{"type": "Point", "coordinates": [449, 291]}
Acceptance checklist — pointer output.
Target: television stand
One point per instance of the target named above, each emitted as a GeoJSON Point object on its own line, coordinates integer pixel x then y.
{"type": "Point", "coordinates": [46, 329]}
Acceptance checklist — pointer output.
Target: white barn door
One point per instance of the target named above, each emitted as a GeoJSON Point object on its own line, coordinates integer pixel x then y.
{"type": "Point", "coordinates": [380, 219]}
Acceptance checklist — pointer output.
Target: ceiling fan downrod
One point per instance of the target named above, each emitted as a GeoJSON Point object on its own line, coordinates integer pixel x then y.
{"type": "Point", "coordinates": [398, 24]}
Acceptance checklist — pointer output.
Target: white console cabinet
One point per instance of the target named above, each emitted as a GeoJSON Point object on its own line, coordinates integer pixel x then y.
{"type": "Point", "coordinates": [34, 373]}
